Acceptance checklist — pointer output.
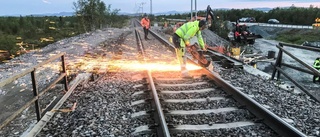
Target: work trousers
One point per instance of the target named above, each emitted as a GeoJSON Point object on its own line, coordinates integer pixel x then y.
{"type": "Point", "coordinates": [180, 49]}
{"type": "Point", "coordinates": [316, 78]}
{"type": "Point", "coordinates": [146, 31]}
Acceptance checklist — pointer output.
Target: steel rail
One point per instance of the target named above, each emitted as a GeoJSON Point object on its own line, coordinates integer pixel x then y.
{"type": "Point", "coordinates": [162, 121]}
{"type": "Point", "coordinates": [164, 125]}
{"type": "Point", "coordinates": [272, 120]}
{"type": "Point", "coordinates": [269, 118]}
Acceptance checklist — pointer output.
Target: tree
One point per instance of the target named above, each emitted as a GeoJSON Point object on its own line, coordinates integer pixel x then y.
{"type": "Point", "coordinates": [7, 42]}
{"type": "Point", "coordinates": [92, 14]}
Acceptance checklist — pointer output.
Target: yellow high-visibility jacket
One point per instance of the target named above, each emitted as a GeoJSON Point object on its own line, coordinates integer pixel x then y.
{"type": "Point", "coordinates": [188, 30]}
{"type": "Point", "coordinates": [316, 64]}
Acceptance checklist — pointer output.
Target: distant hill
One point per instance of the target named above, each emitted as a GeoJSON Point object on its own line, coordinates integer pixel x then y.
{"type": "Point", "coordinates": [43, 14]}
{"type": "Point", "coordinates": [265, 9]}
{"type": "Point", "coordinates": [55, 14]}
{"type": "Point", "coordinates": [170, 12]}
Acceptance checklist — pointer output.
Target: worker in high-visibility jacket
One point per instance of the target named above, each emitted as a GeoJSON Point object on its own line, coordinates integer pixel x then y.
{"type": "Point", "coordinates": [145, 23]}
{"type": "Point", "coordinates": [316, 65]}
{"type": "Point", "coordinates": [181, 40]}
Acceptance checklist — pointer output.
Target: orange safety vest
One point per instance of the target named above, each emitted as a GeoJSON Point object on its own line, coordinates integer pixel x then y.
{"type": "Point", "coordinates": [145, 23]}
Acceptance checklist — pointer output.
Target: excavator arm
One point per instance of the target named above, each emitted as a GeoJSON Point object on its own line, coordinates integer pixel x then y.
{"type": "Point", "coordinates": [209, 16]}
{"type": "Point", "coordinates": [209, 13]}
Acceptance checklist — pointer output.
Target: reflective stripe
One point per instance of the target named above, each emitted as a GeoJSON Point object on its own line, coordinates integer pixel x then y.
{"type": "Point", "coordinates": [316, 64]}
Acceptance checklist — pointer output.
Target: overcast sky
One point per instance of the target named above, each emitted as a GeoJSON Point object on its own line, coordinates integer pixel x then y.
{"type": "Point", "coordinates": [26, 7]}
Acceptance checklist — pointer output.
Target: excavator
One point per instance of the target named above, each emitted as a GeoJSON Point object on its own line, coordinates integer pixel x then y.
{"type": "Point", "coordinates": [239, 34]}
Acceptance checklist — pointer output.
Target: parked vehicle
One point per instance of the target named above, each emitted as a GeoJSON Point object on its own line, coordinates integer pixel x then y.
{"type": "Point", "coordinates": [315, 44]}
{"type": "Point", "coordinates": [247, 19]}
{"type": "Point", "coordinates": [273, 21]}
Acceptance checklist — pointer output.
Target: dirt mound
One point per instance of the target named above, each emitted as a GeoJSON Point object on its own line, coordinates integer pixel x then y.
{"type": "Point", "coordinates": [213, 39]}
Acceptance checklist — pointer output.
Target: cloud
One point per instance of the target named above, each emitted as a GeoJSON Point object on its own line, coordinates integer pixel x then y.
{"type": "Point", "coordinates": [45, 1]}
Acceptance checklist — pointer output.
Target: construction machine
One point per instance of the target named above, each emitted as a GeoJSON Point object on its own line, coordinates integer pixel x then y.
{"type": "Point", "coordinates": [241, 35]}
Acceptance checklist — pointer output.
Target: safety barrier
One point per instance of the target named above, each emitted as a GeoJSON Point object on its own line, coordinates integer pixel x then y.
{"type": "Point", "coordinates": [285, 26]}
{"type": "Point", "coordinates": [279, 63]}
{"type": "Point", "coordinates": [36, 94]}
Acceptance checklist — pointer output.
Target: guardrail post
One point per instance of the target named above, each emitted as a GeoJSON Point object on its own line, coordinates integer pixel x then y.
{"type": "Point", "coordinates": [280, 62]}
{"type": "Point", "coordinates": [35, 93]}
{"type": "Point", "coordinates": [277, 64]}
{"type": "Point", "coordinates": [64, 71]}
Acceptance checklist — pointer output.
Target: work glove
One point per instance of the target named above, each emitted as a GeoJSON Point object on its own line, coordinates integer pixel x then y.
{"type": "Point", "coordinates": [187, 43]}
{"type": "Point", "coordinates": [205, 47]}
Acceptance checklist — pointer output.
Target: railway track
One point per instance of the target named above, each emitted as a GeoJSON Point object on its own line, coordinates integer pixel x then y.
{"type": "Point", "coordinates": [196, 107]}
{"type": "Point", "coordinates": [156, 102]}
{"type": "Point", "coordinates": [203, 106]}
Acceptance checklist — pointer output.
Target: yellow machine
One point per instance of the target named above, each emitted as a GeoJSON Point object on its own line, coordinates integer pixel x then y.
{"type": "Point", "coordinates": [317, 24]}
{"type": "Point", "coordinates": [235, 51]}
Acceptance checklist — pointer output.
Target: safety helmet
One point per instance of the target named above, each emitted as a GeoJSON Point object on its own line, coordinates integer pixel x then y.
{"type": "Point", "coordinates": [202, 23]}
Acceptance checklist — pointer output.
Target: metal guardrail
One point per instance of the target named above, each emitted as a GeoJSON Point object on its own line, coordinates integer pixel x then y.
{"type": "Point", "coordinates": [279, 62]}
{"type": "Point", "coordinates": [36, 93]}
{"type": "Point", "coordinates": [278, 25]}
{"type": "Point", "coordinates": [285, 26]}
{"type": "Point", "coordinates": [177, 20]}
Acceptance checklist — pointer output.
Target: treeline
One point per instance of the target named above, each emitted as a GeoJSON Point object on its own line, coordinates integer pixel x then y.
{"type": "Point", "coordinates": [31, 31]}
{"type": "Point", "coordinates": [292, 15]}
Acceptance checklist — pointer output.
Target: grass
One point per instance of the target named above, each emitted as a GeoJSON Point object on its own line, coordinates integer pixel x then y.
{"type": "Point", "coordinates": [298, 36]}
